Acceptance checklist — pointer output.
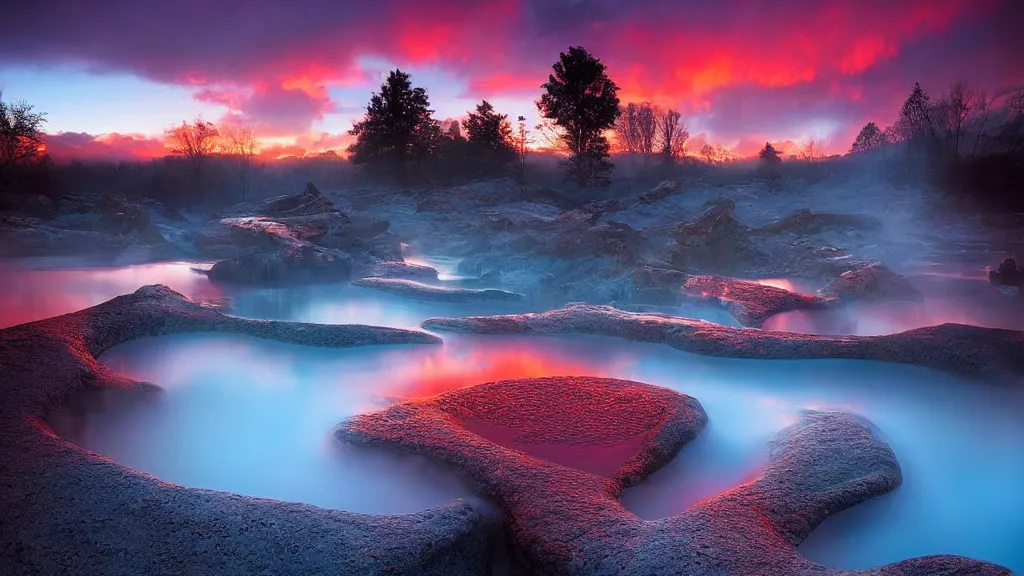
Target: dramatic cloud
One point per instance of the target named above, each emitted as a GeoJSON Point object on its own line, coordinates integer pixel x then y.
{"type": "Point", "coordinates": [111, 147]}
{"type": "Point", "coordinates": [782, 70]}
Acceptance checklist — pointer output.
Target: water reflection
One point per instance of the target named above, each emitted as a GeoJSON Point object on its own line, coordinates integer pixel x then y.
{"type": "Point", "coordinates": [253, 417]}
{"type": "Point", "coordinates": [29, 293]}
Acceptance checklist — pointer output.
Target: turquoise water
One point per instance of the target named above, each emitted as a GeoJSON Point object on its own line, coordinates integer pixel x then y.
{"type": "Point", "coordinates": [255, 417]}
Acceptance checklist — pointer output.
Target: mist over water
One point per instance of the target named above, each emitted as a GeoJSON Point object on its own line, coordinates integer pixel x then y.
{"type": "Point", "coordinates": [255, 417]}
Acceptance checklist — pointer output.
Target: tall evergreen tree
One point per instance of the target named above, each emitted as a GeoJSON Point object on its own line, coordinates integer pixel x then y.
{"type": "Point", "coordinates": [915, 122]}
{"type": "Point", "coordinates": [583, 103]}
{"type": "Point", "coordinates": [870, 138]}
{"type": "Point", "coordinates": [490, 138]}
{"type": "Point", "coordinates": [398, 129]}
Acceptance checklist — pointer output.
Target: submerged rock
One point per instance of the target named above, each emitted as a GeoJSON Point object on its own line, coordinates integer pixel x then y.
{"type": "Point", "coordinates": [405, 270]}
{"type": "Point", "coordinates": [874, 282]}
{"type": "Point", "coordinates": [806, 222]}
{"type": "Point", "coordinates": [556, 453]}
{"type": "Point", "coordinates": [988, 353]}
{"type": "Point", "coordinates": [291, 264]}
{"type": "Point", "coordinates": [64, 510]}
{"type": "Point", "coordinates": [715, 243]}
{"type": "Point", "coordinates": [421, 291]}
{"type": "Point", "coordinates": [750, 303]}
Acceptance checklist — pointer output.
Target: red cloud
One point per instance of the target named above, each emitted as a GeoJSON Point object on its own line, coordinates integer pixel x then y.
{"type": "Point", "coordinates": [111, 147]}
{"type": "Point", "coordinates": [270, 64]}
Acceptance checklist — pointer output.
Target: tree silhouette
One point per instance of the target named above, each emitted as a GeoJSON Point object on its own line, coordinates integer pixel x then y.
{"type": "Point", "coordinates": [914, 123]}
{"type": "Point", "coordinates": [397, 130]}
{"type": "Point", "coordinates": [582, 101]}
{"type": "Point", "coordinates": [240, 143]}
{"type": "Point", "coordinates": [770, 155]}
{"type": "Point", "coordinates": [672, 136]}
{"type": "Point", "coordinates": [21, 132]}
{"type": "Point", "coordinates": [490, 139]}
{"type": "Point", "coordinates": [870, 138]}
{"type": "Point", "coordinates": [770, 159]}
{"type": "Point", "coordinates": [194, 141]}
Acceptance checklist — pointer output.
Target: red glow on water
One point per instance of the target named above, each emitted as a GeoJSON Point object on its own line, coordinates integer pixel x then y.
{"type": "Point", "coordinates": [30, 295]}
{"type": "Point", "coordinates": [448, 369]}
{"type": "Point", "coordinates": [894, 317]}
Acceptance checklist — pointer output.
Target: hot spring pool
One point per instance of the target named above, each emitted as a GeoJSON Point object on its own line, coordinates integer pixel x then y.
{"type": "Point", "coordinates": [255, 417]}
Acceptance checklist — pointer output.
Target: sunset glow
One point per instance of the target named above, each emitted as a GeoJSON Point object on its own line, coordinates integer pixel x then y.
{"type": "Point", "coordinates": [741, 73]}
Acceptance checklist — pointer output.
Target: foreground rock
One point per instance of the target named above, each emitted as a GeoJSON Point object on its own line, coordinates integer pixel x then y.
{"type": "Point", "coordinates": [556, 453]}
{"type": "Point", "coordinates": [987, 353]}
{"type": "Point", "coordinates": [64, 510]}
{"type": "Point", "coordinates": [872, 283]}
{"type": "Point", "coordinates": [421, 291]}
{"type": "Point", "coordinates": [749, 302]}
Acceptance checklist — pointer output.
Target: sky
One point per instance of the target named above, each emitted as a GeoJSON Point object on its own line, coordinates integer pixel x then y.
{"type": "Point", "coordinates": [112, 75]}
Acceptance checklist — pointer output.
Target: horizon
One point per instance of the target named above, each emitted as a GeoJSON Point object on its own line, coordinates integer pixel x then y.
{"type": "Point", "coordinates": [301, 77]}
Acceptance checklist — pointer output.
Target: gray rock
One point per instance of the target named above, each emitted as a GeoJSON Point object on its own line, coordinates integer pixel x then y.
{"type": "Point", "coordinates": [64, 510]}
{"type": "Point", "coordinates": [987, 353]}
{"type": "Point", "coordinates": [871, 283]}
{"type": "Point", "coordinates": [399, 269]}
{"type": "Point", "coordinates": [421, 291]}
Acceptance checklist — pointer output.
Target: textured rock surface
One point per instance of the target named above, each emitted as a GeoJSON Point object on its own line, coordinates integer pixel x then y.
{"type": "Point", "coordinates": [749, 302]}
{"type": "Point", "coordinates": [565, 520]}
{"type": "Point", "coordinates": [806, 222]}
{"type": "Point", "coordinates": [67, 511]}
{"type": "Point", "coordinates": [874, 282]}
{"type": "Point", "coordinates": [420, 291]}
{"type": "Point", "coordinates": [399, 269]}
{"type": "Point", "coordinates": [988, 353]}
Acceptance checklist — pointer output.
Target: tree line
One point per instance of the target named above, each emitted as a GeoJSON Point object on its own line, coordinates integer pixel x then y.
{"type": "Point", "coordinates": [964, 122]}
{"type": "Point", "coordinates": [399, 137]}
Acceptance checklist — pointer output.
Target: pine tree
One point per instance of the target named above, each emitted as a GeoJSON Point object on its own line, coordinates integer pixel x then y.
{"type": "Point", "coordinates": [583, 103]}
{"type": "Point", "coordinates": [490, 138]}
{"type": "Point", "coordinates": [915, 121]}
{"type": "Point", "coordinates": [398, 129]}
{"type": "Point", "coordinates": [770, 154]}
{"type": "Point", "coordinates": [870, 138]}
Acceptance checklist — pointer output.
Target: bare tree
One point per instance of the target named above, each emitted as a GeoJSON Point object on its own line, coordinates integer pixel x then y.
{"type": "Point", "coordinates": [627, 135]}
{"type": "Point", "coordinates": [522, 140]}
{"type": "Point", "coordinates": [672, 136]}
{"type": "Point", "coordinates": [812, 151]}
{"type": "Point", "coordinates": [637, 133]}
{"type": "Point", "coordinates": [957, 110]}
{"type": "Point", "coordinates": [1013, 130]}
{"type": "Point", "coordinates": [195, 141]}
{"type": "Point", "coordinates": [240, 143]}
{"type": "Point", "coordinates": [21, 132]}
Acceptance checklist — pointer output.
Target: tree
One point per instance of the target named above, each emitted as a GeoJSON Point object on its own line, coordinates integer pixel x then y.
{"type": "Point", "coordinates": [583, 102]}
{"type": "Point", "coordinates": [397, 129]}
{"type": "Point", "coordinates": [956, 112]}
{"type": "Point", "coordinates": [671, 136]}
{"type": "Point", "coordinates": [522, 140]}
{"type": "Point", "coordinates": [914, 123]}
{"type": "Point", "coordinates": [812, 151]}
{"type": "Point", "coordinates": [870, 138]}
{"type": "Point", "coordinates": [21, 133]}
{"type": "Point", "coordinates": [1012, 132]}
{"type": "Point", "coordinates": [240, 143]}
{"type": "Point", "coordinates": [770, 159]}
{"type": "Point", "coordinates": [636, 132]}
{"type": "Point", "coordinates": [195, 142]}
{"type": "Point", "coordinates": [489, 135]}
